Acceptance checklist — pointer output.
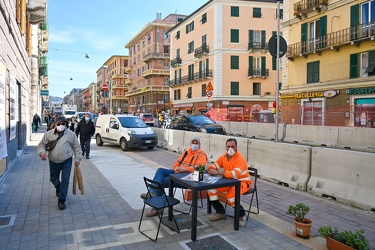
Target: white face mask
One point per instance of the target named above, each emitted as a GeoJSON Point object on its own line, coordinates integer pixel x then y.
{"type": "Point", "coordinates": [60, 128]}
{"type": "Point", "coordinates": [87, 118]}
{"type": "Point", "coordinates": [231, 152]}
{"type": "Point", "coordinates": [194, 147]}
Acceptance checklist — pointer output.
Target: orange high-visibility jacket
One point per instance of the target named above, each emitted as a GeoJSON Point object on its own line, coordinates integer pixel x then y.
{"type": "Point", "coordinates": [236, 168]}
{"type": "Point", "coordinates": [191, 160]}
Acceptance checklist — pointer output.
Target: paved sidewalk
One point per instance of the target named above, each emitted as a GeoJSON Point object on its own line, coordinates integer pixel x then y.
{"type": "Point", "coordinates": [107, 215]}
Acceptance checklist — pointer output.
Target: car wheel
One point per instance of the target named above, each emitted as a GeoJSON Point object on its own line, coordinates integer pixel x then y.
{"type": "Point", "coordinates": [99, 140]}
{"type": "Point", "coordinates": [150, 147]}
{"type": "Point", "coordinates": [124, 144]}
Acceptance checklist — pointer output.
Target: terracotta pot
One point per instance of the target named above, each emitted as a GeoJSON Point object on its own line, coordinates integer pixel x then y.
{"type": "Point", "coordinates": [336, 245]}
{"type": "Point", "coordinates": [303, 229]}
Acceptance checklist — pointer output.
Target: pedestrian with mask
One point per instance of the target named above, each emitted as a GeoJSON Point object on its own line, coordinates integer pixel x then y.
{"type": "Point", "coordinates": [85, 129]}
{"type": "Point", "coordinates": [60, 157]}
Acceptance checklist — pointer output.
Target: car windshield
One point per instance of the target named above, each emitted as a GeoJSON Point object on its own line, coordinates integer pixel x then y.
{"type": "Point", "coordinates": [132, 122]}
{"type": "Point", "coordinates": [70, 112]}
{"type": "Point", "coordinates": [200, 120]}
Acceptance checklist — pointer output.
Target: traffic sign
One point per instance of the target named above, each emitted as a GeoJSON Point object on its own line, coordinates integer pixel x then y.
{"type": "Point", "coordinates": [209, 87]}
{"type": "Point", "coordinates": [44, 92]}
{"type": "Point", "coordinates": [209, 93]}
{"type": "Point", "coordinates": [105, 86]}
{"type": "Point", "coordinates": [272, 46]}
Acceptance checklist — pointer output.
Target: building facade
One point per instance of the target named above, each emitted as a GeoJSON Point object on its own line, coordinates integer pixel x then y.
{"type": "Point", "coordinates": [149, 66]}
{"type": "Point", "coordinates": [331, 63]}
{"type": "Point", "coordinates": [22, 73]}
{"type": "Point", "coordinates": [220, 59]}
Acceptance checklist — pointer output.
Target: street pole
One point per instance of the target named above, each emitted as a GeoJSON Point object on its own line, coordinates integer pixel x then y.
{"type": "Point", "coordinates": [110, 96]}
{"type": "Point", "coordinates": [277, 71]}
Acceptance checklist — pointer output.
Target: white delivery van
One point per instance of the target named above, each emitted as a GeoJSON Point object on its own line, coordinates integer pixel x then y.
{"type": "Point", "coordinates": [128, 131]}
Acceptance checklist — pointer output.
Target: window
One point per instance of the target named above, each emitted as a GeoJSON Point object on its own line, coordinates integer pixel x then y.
{"type": "Point", "coordinates": [203, 92]}
{"type": "Point", "coordinates": [256, 88]}
{"type": "Point", "coordinates": [234, 36]}
{"type": "Point", "coordinates": [189, 27]}
{"type": "Point", "coordinates": [190, 72]}
{"type": "Point", "coordinates": [313, 72]}
{"type": "Point", "coordinates": [204, 18]}
{"type": "Point", "coordinates": [191, 47]}
{"type": "Point", "coordinates": [257, 12]}
{"type": "Point", "coordinates": [166, 48]}
{"type": "Point", "coordinates": [257, 39]}
{"type": "Point", "coordinates": [180, 19]}
{"type": "Point", "coordinates": [234, 88]}
{"type": "Point", "coordinates": [177, 94]}
{"type": "Point", "coordinates": [281, 14]}
{"type": "Point", "coordinates": [234, 62]}
{"type": "Point", "coordinates": [235, 11]}
{"type": "Point", "coordinates": [177, 53]}
{"type": "Point", "coordinates": [190, 92]}
{"type": "Point", "coordinates": [204, 40]}
{"type": "Point", "coordinates": [166, 36]}
{"type": "Point", "coordinates": [177, 35]}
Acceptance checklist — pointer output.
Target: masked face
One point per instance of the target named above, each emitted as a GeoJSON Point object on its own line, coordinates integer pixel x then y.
{"type": "Point", "coordinates": [231, 152]}
{"type": "Point", "coordinates": [60, 128]}
{"type": "Point", "coordinates": [194, 147]}
{"type": "Point", "coordinates": [87, 118]}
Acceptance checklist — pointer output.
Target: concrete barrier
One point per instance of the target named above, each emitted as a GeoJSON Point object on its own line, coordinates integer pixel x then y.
{"type": "Point", "coordinates": [312, 135]}
{"type": "Point", "coordinates": [175, 140]}
{"type": "Point", "coordinates": [162, 141]}
{"type": "Point", "coordinates": [347, 176]}
{"type": "Point", "coordinates": [265, 131]}
{"type": "Point", "coordinates": [357, 138]}
{"type": "Point", "coordinates": [237, 128]}
{"type": "Point", "coordinates": [224, 124]}
{"type": "Point", "coordinates": [286, 164]}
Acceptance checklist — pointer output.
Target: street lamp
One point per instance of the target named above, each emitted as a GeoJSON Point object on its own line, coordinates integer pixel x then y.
{"type": "Point", "coordinates": [110, 95]}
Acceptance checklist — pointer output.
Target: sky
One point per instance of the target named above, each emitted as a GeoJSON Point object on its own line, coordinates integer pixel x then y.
{"type": "Point", "coordinates": [98, 29]}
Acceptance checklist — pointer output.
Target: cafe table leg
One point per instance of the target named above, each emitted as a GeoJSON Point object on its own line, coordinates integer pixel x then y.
{"type": "Point", "coordinates": [194, 215]}
{"type": "Point", "coordinates": [170, 209]}
{"type": "Point", "coordinates": [208, 204]}
{"type": "Point", "coordinates": [237, 208]}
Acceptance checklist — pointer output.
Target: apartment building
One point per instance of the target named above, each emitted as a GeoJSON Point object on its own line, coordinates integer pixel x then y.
{"type": "Point", "coordinates": [149, 66]}
{"type": "Point", "coordinates": [220, 59]}
{"type": "Point", "coordinates": [331, 63]}
{"type": "Point", "coordinates": [23, 73]}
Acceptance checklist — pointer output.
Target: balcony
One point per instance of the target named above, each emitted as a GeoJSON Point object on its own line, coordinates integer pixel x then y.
{"type": "Point", "coordinates": [119, 86]}
{"type": "Point", "coordinates": [118, 97]}
{"type": "Point", "coordinates": [44, 82]}
{"type": "Point", "coordinates": [257, 46]}
{"type": "Point", "coordinates": [118, 76]}
{"type": "Point", "coordinates": [128, 69]}
{"type": "Point", "coordinates": [201, 51]}
{"type": "Point", "coordinates": [349, 36]}
{"type": "Point", "coordinates": [199, 76]}
{"type": "Point", "coordinates": [258, 73]}
{"type": "Point", "coordinates": [147, 89]}
{"type": "Point", "coordinates": [176, 62]}
{"type": "Point", "coordinates": [155, 56]}
{"type": "Point", "coordinates": [43, 61]}
{"type": "Point", "coordinates": [155, 72]}
{"type": "Point", "coordinates": [128, 81]}
{"type": "Point", "coordinates": [43, 70]}
{"type": "Point", "coordinates": [37, 10]}
{"type": "Point", "coordinates": [303, 7]}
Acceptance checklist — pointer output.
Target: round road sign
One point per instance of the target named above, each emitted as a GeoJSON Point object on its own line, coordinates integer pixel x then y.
{"type": "Point", "coordinates": [209, 93]}
{"type": "Point", "coordinates": [272, 46]}
{"type": "Point", "coordinates": [105, 86]}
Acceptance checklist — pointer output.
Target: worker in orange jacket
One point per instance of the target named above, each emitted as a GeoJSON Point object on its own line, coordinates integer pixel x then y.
{"type": "Point", "coordinates": [187, 162]}
{"type": "Point", "coordinates": [232, 164]}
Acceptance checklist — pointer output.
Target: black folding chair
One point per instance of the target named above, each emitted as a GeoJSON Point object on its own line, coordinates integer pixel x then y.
{"type": "Point", "coordinates": [253, 191]}
{"type": "Point", "coordinates": [158, 203]}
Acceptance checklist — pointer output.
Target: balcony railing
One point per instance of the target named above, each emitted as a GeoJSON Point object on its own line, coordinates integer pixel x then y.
{"type": "Point", "coordinates": [154, 72]}
{"type": "Point", "coordinates": [128, 69]}
{"type": "Point", "coordinates": [43, 70]}
{"type": "Point", "coordinates": [176, 62]}
{"type": "Point", "coordinates": [119, 86]}
{"type": "Point", "coordinates": [257, 46]}
{"type": "Point", "coordinates": [155, 56]}
{"type": "Point", "coordinates": [117, 76]}
{"type": "Point", "coordinates": [146, 89]}
{"type": "Point", "coordinates": [201, 51]}
{"type": "Point", "coordinates": [119, 97]}
{"type": "Point", "coordinates": [303, 7]}
{"type": "Point", "coordinates": [199, 76]}
{"type": "Point", "coordinates": [128, 81]}
{"type": "Point", "coordinates": [258, 73]}
{"type": "Point", "coordinates": [334, 40]}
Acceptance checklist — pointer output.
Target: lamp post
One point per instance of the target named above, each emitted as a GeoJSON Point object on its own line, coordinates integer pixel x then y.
{"type": "Point", "coordinates": [110, 96]}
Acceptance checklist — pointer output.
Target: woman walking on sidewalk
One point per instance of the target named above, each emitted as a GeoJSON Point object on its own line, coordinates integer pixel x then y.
{"type": "Point", "coordinates": [60, 157]}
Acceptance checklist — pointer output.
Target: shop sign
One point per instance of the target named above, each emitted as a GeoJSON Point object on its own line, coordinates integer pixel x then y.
{"type": "Point", "coordinates": [330, 93]}
{"type": "Point", "coordinates": [309, 95]}
{"type": "Point", "coordinates": [185, 105]}
{"type": "Point", "coordinates": [362, 91]}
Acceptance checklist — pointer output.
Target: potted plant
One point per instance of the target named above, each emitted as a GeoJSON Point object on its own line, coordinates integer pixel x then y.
{"type": "Point", "coordinates": [201, 169]}
{"type": "Point", "coordinates": [303, 225]}
{"type": "Point", "coordinates": [336, 240]}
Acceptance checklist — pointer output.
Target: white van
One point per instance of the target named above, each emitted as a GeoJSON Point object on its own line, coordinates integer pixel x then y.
{"type": "Point", "coordinates": [128, 131]}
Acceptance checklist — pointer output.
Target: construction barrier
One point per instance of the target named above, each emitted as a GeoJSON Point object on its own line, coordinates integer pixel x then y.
{"type": "Point", "coordinates": [357, 138]}
{"type": "Point", "coordinates": [282, 163]}
{"type": "Point", "coordinates": [346, 176]}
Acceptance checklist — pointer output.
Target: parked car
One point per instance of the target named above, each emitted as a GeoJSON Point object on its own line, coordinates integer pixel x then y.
{"type": "Point", "coordinates": [196, 123]}
{"type": "Point", "coordinates": [94, 117]}
{"type": "Point", "coordinates": [128, 131]}
{"type": "Point", "coordinates": [147, 118]}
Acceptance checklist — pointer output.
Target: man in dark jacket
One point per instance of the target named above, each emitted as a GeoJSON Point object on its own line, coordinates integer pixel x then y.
{"type": "Point", "coordinates": [85, 129]}
{"type": "Point", "coordinates": [36, 122]}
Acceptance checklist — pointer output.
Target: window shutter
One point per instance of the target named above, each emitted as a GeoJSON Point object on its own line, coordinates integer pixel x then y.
{"type": "Point", "coordinates": [263, 65]}
{"type": "Point", "coordinates": [353, 66]}
{"type": "Point", "coordinates": [187, 28]}
{"type": "Point", "coordinates": [200, 69]}
{"type": "Point", "coordinates": [207, 67]}
{"type": "Point", "coordinates": [263, 39]}
{"type": "Point", "coordinates": [251, 39]}
{"type": "Point", "coordinates": [251, 66]}
{"type": "Point", "coordinates": [303, 32]}
{"type": "Point", "coordinates": [354, 15]}
{"type": "Point", "coordinates": [310, 72]}
{"type": "Point", "coordinates": [274, 63]}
